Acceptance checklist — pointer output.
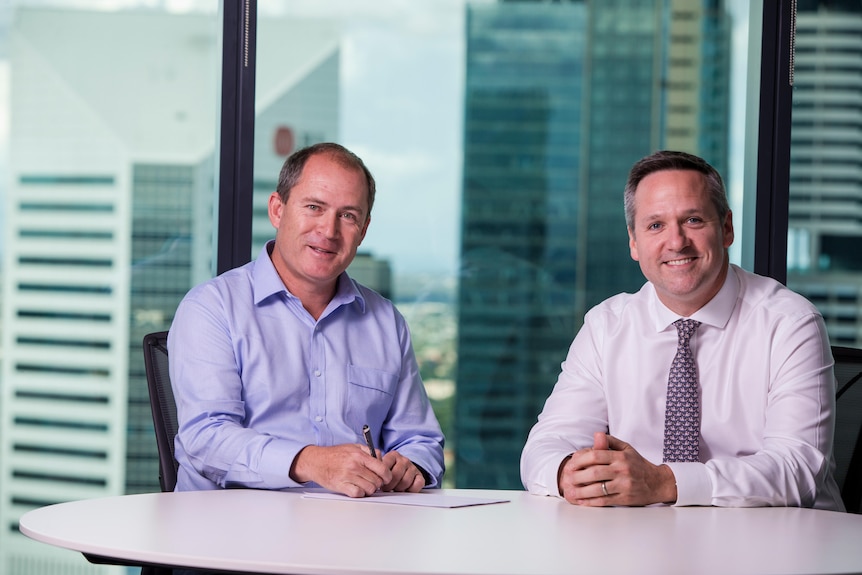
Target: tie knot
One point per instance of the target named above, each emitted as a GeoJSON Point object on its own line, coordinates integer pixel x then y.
{"type": "Point", "coordinates": [685, 328]}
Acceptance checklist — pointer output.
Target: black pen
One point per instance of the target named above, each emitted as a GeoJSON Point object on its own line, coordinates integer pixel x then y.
{"type": "Point", "coordinates": [366, 431]}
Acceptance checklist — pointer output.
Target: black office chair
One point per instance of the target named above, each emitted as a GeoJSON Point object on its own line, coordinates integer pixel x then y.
{"type": "Point", "coordinates": [164, 410]}
{"type": "Point", "coordinates": [162, 405]}
{"type": "Point", "coordinates": [848, 426]}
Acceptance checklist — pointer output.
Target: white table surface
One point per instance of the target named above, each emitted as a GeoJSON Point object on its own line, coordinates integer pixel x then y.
{"type": "Point", "coordinates": [279, 532]}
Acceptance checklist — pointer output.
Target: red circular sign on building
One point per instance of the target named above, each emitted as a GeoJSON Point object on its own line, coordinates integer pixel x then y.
{"type": "Point", "coordinates": [283, 141]}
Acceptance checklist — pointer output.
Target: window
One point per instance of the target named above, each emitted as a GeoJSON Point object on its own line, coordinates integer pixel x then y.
{"type": "Point", "coordinates": [500, 134]}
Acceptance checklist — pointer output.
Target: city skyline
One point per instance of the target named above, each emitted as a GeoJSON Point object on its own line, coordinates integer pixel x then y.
{"type": "Point", "coordinates": [412, 139]}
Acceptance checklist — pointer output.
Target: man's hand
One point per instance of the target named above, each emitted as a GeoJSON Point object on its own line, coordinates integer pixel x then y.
{"type": "Point", "coordinates": [405, 475]}
{"type": "Point", "coordinates": [347, 469]}
{"type": "Point", "coordinates": [613, 473]}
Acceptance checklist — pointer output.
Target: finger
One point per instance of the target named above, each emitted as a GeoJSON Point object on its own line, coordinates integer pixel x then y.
{"type": "Point", "coordinates": [616, 444]}
{"type": "Point", "coordinates": [577, 493]}
{"type": "Point", "coordinates": [399, 483]}
{"type": "Point", "coordinates": [600, 441]}
{"type": "Point", "coordinates": [359, 486]}
{"type": "Point", "coordinates": [412, 480]}
{"type": "Point", "coordinates": [367, 473]}
{"type": "Point", "coordinates": [595, 502]}
{"type": "Point", "coordinates": [367, 451]}
{"type": "Point", "coordinates": [589, 457]}
{"type": "Point", "coordinates": [401, 476]}
{"type": "Point", "coordinates": [418, 484]}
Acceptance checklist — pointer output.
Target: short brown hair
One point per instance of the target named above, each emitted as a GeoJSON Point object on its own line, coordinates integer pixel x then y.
{"type": "Point", "coordinates": [291, 171]}
{"type": "Point", "coordinates": [670, 160]}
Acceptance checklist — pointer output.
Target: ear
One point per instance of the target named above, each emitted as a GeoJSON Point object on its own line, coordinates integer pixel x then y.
{"type": "Point", "coordinates": [364, 229]}
{"type": "Point", "coordinates": [275, 209]}
{"type": "Point", "coordinates": [728, 230]}
{"type": "Point", "coordinates": [633, 245]}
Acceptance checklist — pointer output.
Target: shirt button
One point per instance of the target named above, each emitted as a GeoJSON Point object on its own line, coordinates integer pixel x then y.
{"type": "Point", "coordinates": [318, 419]}
{"type": "Point", "coordinates": [317, 372]}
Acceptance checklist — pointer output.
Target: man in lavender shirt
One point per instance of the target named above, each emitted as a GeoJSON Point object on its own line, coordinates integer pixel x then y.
{"type": "Point", "coordinates": [279, 364]}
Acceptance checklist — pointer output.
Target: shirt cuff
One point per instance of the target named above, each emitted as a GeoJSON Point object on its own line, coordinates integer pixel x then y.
{"type": "Point", "coordinates": [693, 485]}
{"type": "Point", "coordinates": [275, 463]}
{"type": "Point", "coordinates": [544, 480]}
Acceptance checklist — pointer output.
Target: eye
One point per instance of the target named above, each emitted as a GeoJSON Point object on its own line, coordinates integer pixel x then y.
{"type": "Point", "coordinates": [349, 216]}
{"type": "Point", "coordinates": [695, 221]}
{"type": "Point", "coordinates": [654, 226]}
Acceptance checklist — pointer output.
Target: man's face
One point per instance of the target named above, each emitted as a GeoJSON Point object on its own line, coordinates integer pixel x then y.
{"type": "Point", "coordinates": [678, 239]}
{"type": "Point", "coordinates": [320, 226]}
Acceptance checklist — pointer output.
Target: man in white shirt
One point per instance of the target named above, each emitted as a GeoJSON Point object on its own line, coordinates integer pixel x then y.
{"type": "Point", "coordinates": [763, 364]}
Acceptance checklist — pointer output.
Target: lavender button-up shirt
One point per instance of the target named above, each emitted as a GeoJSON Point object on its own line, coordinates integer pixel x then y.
{"type": "Point", "coordinates": [256, 379]}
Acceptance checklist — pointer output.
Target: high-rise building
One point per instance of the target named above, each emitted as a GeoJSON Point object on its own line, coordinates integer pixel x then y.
{"type": "Point", "coordinates": [825, 219]}
{"type": "Point", "coordinates": [561, 99]}
{"type": "Point", "coordinates": [109, 223]}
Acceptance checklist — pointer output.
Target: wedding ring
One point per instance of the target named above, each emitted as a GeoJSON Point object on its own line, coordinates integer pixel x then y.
{"type": "Point", "coordinates": [604, 488]}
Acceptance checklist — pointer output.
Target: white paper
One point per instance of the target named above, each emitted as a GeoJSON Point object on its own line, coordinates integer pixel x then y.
{"type": "Point", "coordinates": [422, 499]}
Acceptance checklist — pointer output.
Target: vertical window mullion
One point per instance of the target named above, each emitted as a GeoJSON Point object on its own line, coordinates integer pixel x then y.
{"type": "Point", "coordinates": [773, 145]}
{"type": "Point", "coordinates": [236, 154]}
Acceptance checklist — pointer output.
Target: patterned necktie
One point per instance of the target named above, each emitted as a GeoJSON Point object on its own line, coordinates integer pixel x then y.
{"type": "Point", "coordinates": [682, 413]}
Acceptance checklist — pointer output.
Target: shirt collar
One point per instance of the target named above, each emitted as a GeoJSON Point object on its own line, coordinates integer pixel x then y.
{"type": "Point", "coordinates": [716, 312]}
{"type": "Point", "coordinates": [267, 283]}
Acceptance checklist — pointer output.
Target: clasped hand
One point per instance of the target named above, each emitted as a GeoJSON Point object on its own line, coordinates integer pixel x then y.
{"type": "Point", "coordinates": [350, 469]}
{"type": "Point", "coordinates": [611, 472]}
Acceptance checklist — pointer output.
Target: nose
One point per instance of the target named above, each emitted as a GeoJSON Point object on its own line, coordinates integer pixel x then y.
{"type": "Point", "coordinates": [329, 225]}
{"type": "Point", "coordinates": [677, 238]}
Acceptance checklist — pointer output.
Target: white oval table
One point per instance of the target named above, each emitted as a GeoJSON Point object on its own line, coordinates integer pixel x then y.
{"type": "Point", "coordinates": [284, 532]}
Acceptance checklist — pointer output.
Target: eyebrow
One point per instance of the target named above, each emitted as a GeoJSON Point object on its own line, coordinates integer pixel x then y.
{"type": "Point", "coordinates": [316, 200]}
{"type": "Point", "coordinates": [659, 216]}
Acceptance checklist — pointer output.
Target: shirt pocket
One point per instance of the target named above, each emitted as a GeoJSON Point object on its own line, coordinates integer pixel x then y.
{"type": "Point", "coordinates": [369, 395]}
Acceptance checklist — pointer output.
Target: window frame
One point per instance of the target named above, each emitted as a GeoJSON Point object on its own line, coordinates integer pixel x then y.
{"type": "Point", "coordinates": [236, 133]}
{"type": "Point", "coordinates": [772, 196]}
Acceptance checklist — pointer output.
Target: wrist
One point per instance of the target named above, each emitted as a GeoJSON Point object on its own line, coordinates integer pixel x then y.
{"type": "Point", "coordinates": [301, 468]}
{"type": "Point", "coordinates": [560, 473]}
{"type": "Point", "coordinates": [667, 485]}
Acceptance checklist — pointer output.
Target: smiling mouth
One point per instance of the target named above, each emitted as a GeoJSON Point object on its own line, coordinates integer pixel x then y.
{"type": "Point", "coordinates": [679, 262]}
{"type": "Point", "coordinates": [321, 250]}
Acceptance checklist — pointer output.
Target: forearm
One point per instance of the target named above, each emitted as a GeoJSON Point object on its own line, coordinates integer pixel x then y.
{"type": "Point", "coordinates": [775, 476]}
{"type": "Point", "coordinates": [555, 436]}
{"type": "Point", "coordinates": [542, 461]}
{"type": "Point", "coordinates": [232, 456]}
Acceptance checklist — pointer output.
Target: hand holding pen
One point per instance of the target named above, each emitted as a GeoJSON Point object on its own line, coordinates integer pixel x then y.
{"type": "Point", "coordinates": [406, 476]}
{"type": "Point", "coordinates": [369, 441]}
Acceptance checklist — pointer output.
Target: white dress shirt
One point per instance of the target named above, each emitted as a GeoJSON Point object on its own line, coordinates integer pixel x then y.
{"type": "Point", "coordinates": [767, 395]}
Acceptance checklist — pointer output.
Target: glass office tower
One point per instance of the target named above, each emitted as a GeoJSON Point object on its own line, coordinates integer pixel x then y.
{"type": "Point", "coordinates": [519, 252]}
{"type": "Point", "coordinates": [825, 220]}
{"type": "Point", "coordinates": [561, 99]}
{"type": "Point", "coordinates": [110, 213]}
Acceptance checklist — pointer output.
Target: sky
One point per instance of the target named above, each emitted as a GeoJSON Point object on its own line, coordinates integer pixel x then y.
{"type": "Point", "coordinates": [411, 139]}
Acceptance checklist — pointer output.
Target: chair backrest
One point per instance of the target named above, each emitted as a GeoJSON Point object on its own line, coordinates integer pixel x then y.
{"type": "Point", "coordinates": [848, 425]}
{"type": "Point", "coordinates": [162, 405]}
